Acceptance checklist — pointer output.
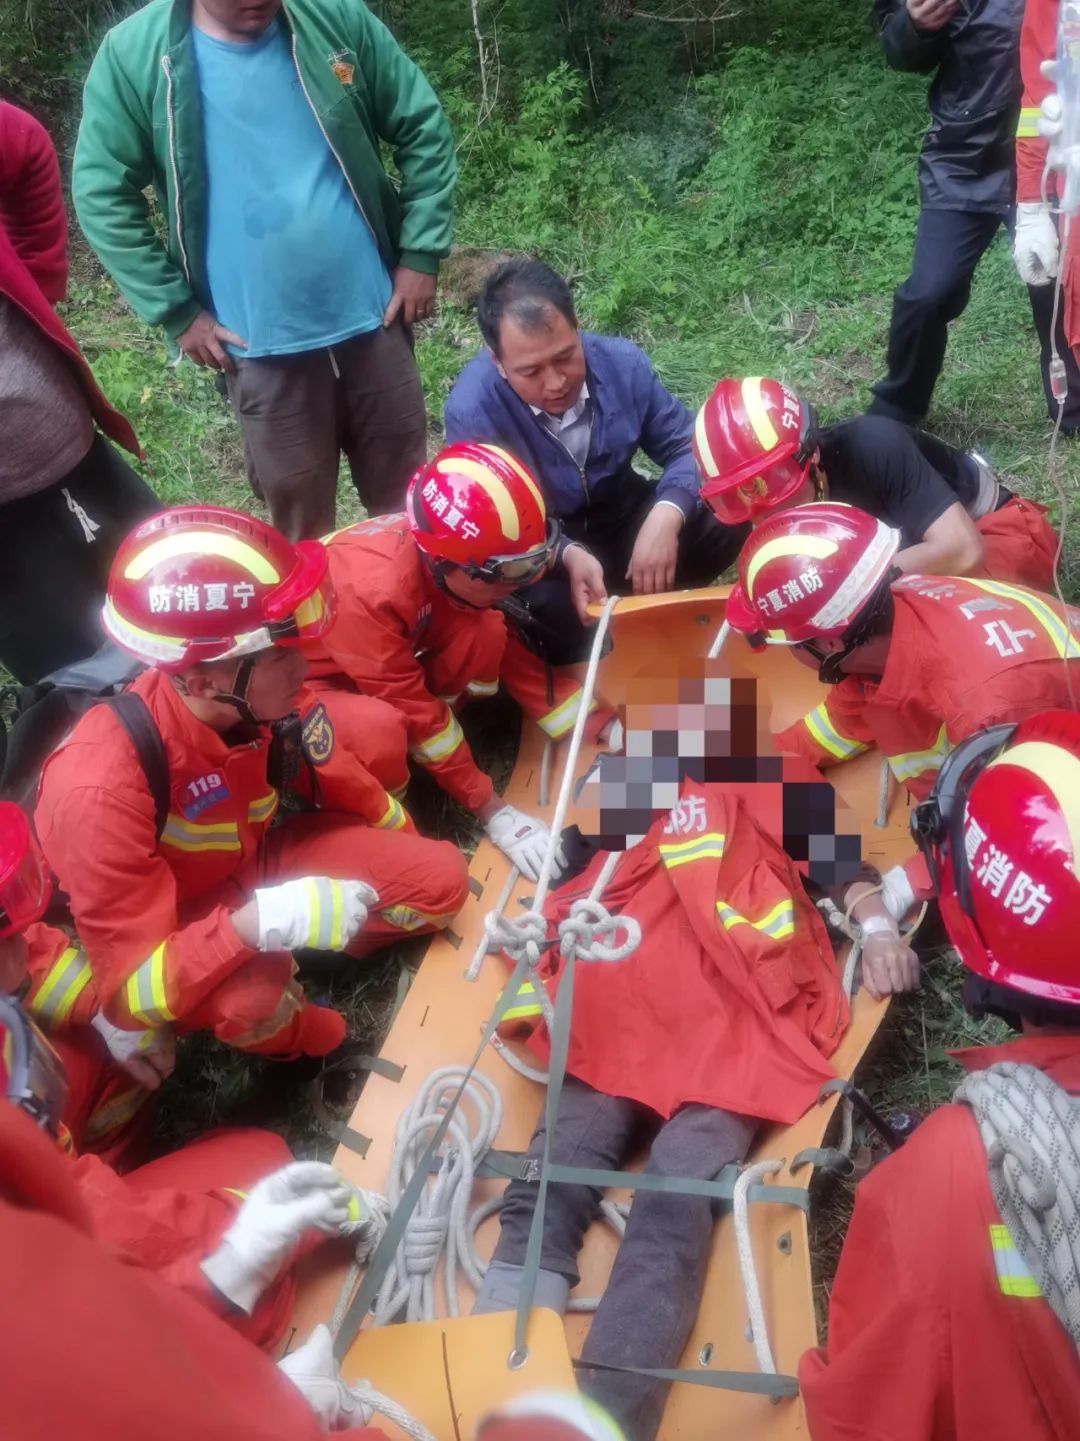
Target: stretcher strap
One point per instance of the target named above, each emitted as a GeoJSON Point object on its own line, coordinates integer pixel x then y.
{"type": "Point", "coordinates": [758, 1383]}
{"type": "Point", "coordinates": [721, 1189]}
{"type": "Point", "coordinates": [386, 1250]}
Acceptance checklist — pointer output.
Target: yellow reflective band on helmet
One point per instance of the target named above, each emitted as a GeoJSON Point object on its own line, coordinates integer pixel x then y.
{"type": "Point", "coordinates": [263, 808]}
{"type": "Point", "coordinates": [1059, 772]}
{"type": "Point", "coordinates": [62, 987]}
{"type": "Point", "coordinates": [184, 835]}
{"type": "Point", "coordinates": [145, 991]}
{"type": "Point", "coordinates": [492, 486]}
{"type": "Point", "coordinates": [757, 413]}
{"type": "Point", "coordinates": [815, 546]}
{"type": "Point", "coordinates": [560, 720]}
{"type": "Point", "coordinates": [524, 476]}
{"type": "Point", "coordinates": [1014, 1278]}
{"type": "Point", "coordinates": [393, 817]}
{"type": "Point", "coordinates": [681, 853]}
{"type": "Point", "coordinates": [442, 744]}
{"type": "Point", "coordinates": [909, 764]}
{"type": "Point", "coordinates": [779, 923]}
{"type": "Point", "coordinates": [200, 543]}
{"type": "Point", "coordinates": [825, 734]}
{"type": "Point", "coordinates": [483, 687]}
{"type": "Point", "coordinates": [143, 642]}
{"type": "Point", "coordinates": [1027, 127]}
{"type": "Point", "coordinates": [1061, 637]}
{"type": "Point", "coordinates": [701, 437]}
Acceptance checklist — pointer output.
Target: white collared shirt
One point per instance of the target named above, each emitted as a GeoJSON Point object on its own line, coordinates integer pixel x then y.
{"type": "Point", "coordinates": [572, 429]}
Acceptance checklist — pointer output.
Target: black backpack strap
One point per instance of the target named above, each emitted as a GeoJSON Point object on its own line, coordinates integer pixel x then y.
{"type": "Point", "coordinates": [134, 715]}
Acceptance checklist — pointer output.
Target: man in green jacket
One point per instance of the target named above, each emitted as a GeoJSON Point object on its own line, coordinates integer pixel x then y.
{"type": "Point", "coordinates": [288, 259]}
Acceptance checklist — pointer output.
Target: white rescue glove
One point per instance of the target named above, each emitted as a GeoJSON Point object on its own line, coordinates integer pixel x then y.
{"type": "Point", "coordinates": [273, 1218]}
{"type": "Point", "coordinates": [525, 840]}
{"type": "Point", "coordinates": [1035, 249]}
{"type": "Point", "coordinates": [896, 894]}
{"type": "Point", "coordinates": [148, 1056]}
{"type": "Point", "coordinates": [314, 912]}
{"type": "Point", "coordinates": [313, 1370]}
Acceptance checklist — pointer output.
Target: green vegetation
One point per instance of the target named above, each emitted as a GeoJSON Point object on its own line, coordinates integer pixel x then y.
{"type": "Point", "coordinates": [739, 197]}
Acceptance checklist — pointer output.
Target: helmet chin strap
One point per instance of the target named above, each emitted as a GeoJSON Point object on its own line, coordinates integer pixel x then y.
{"type": "Point", "coordinates": [862, 629]}
{"type": "Point", "coordinates": [237, 697]}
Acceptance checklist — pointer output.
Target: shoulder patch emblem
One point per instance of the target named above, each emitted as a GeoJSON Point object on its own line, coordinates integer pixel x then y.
{"type": "Point", "coordinates": [318, 736]}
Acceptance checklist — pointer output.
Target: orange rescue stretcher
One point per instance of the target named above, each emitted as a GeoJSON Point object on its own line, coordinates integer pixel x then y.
{"type": "Point", "coordinates": [448, 1373]}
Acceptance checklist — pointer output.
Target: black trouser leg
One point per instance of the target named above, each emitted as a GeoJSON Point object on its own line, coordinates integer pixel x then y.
{"type": "Point", "coordinates": [55, 557]}
{"type": "Point", "coordinates": [653, 1295]}
{"type": "Point", "coordinates": [948, 246]}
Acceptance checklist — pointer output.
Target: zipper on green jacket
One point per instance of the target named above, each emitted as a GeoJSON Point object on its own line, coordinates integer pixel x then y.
{"type": "Point", "coordinates": [166, 65]}
{"type": "Point", "coordinates": [333, 152]}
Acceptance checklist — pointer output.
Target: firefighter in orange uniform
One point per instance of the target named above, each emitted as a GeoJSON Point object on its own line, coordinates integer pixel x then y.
{"type": "Point", "coordinates": [915, 663]}
{"type": "Point", "coordinates": [220, 1219]}
{"type": "Point", "coordinates": [953, 1313]}
{"type": "Point", "coordinates": [420, 628]}
{"type": "Point", "coordinates": [194, 922]}
{"type": "Point", "coordinates": [760, 449]}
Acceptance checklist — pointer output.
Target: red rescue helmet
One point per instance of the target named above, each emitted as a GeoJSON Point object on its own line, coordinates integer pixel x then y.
{"type": "Point", "coordinates": [477, 507]}
{"type": "Point", "coordinates": [753, 441]}
{"type": "Point", "coordinates": [1001, 835]}
{"type": "Point", "coordinates": [807, 573]}
{"type": "Point", "coordinates": [201, 583]}
{"type": "Point", "coordinates": [25, 882]}
{"type": "Point", "coordinates": [549, 1416]}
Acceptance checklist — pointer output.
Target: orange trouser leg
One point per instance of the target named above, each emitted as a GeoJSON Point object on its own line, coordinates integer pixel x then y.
{"type": "Point", "coordinates": [463, 656]}
{"type": "Point", "coordinates": [107, 1114]}
{"type": "Point", "coordinates": [421, 883]}
{"type": "Point", "coordinates": [240, 1007]}
{"type": "Point", "coordinates": [1019, 544]}
{"type": "Point", "coordinates": [358, 749]}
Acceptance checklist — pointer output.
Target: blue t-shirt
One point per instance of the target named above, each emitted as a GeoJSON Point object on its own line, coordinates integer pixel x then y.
{"type": "Point", "coordinates": [291, 262]}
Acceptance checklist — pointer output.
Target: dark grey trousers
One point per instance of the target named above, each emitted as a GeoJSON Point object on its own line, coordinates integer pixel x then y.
{"type": "Point", "coordinates": [652, 1298]}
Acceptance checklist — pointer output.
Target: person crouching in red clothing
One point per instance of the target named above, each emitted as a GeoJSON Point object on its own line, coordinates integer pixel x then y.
{"type": "Point", "coordinates": [952, 1314]}
{"type": "Point", "coordinates": [426, 611]}
{"type": "Point", "coordinates": [191, 916]}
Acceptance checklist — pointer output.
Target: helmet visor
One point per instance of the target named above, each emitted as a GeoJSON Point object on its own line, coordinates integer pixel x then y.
{"type": "Point", "coordinates": [518, 570]}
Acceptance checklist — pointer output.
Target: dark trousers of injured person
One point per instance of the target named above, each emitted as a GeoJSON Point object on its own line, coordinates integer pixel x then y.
{"type": "Point", "coordinates": [652, 1297]}
{"type": "Point", "coordinates": [544, 614]}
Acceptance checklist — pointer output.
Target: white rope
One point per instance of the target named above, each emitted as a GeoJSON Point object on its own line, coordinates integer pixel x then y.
{"type": "Point", "coordinates": [544, 789]}
{"type": "Point", "coordinates": [514, 1061]}
{"type": "Point", "coordinates": [719, 641]}
{"type": "Point", "coordinates": [759, 1334]}
{"type": "Point", "coordinates": [484, 947]}
{"type": "Point", "coordinates": [372, 1402]}
{"type": "Point", "coordinates": [440, 1223]}
{"type": "Point", "coordinates": [884, 795]}
{"type": "Point", "coordinates": [1031, 1129]}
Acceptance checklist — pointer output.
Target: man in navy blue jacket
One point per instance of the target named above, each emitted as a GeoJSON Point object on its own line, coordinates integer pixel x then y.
{"type": "Point", "coordinates": [576, 408]}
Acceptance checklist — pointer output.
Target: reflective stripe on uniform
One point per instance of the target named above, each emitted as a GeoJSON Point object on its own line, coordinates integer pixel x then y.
{"type": "Point", "coordinates": [1014, 1278]}
{"type": "Point", "coordinates": [1027, 126]}
{"type": "Point", "coordinates": [264, 808]}
{"type": "Point", "coordinates": [62, 987]}
{"type": "Point", "coordinates": [681, 853]}
{"type": "Point", "coordinates": [1061, 637]}
{"type": "Point", "coordinates": [186, 835]}
{"type": "Point", "coordinates": [393, 818]}
{"type": "Point", "coordinates": [327, 905]}
{"type": "Point", "coordinates": [114, 1114]}
{"type": "Point", "coordinates": [406, 918]}
{"type": "Point", "coordinates": [560, 720]}
{"type": "Point", "coordinates": [778, 923]}
{"type": "Point", "coordinates": [909, 764]}
{"type": "Point", "coordinates": [483, 687]}
{"type": "Point", "coordinates": [145, 991]}
{"type": "Point", "coordinates": [526, 1004]}
{"type": "Point", "coordinates": [824, 733]}
{"type": "Point", "coordinates": [442, 744]}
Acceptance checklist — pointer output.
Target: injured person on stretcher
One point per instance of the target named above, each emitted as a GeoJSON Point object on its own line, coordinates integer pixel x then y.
{"type": "Point", "coordinates": [722, 1017]}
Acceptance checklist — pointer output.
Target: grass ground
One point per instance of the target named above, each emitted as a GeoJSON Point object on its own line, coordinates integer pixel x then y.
{"type": "Point", "coordinates": [750, 212]}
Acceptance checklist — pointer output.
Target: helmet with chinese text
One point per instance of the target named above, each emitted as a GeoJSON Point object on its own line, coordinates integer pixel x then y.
{"type": "Point", "coordinates": [477, 507]}
{"type": "Point", "coordinates": [25, 882]}
{"type": "Point", "coordinates": [549, 1416]}
{"type": "Point", "coordinates": [202, 583]}
{"type": "Point", "coordinates": [807, 573]}
{"type": "Point", "coordinates": [754, 441]}
{"type": "Point", "coordinates": [1002, 836]}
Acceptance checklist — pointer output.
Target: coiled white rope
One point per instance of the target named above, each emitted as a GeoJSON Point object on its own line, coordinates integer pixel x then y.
{"type": "Point", "coordinates": [759, 1333]}
{"type": "Point", "coordinates": [372, 1402]}
{"type": "Point", "coordinates": [1031, 1129]}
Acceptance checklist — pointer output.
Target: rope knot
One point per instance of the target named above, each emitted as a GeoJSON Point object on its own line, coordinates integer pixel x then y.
{"type": "Point", "coordinates": [521, 937]}
{"type": "Point", "coordinates": [590, 933]}
{"type": "Point", "coordinates": [422, 1244]}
